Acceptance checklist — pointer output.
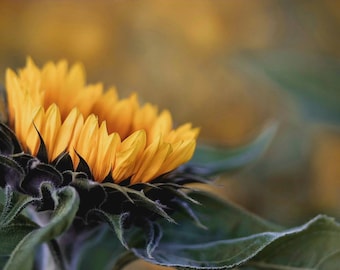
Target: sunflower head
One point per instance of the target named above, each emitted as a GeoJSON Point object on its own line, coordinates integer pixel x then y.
{"type": "Point", "coordinates": [122, 157]}
{"type": "Point", "coordinates": [117, 138]}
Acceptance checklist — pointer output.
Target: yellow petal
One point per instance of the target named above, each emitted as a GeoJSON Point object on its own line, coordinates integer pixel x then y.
{"type": "Point", "coordinates": [162, 126]}
{"type": "Point", "coordinates": [151, 161]}
{"type": "Point", "coordinates": [32, 136]}
{"type": "Point", "coordinates": [86, 99]}
{"type": "Point", "coordinates": [106, 153]}
{"type": "Point", "coordinates": [50, 129]}
{"type": "Point", "coordinates": [75, 79]}
{"type": "Point", "coordinates": [145, 117]}
{"type": "Point", "coordinates": [78, 126]}
{"type": "Point", "coordinates": [13, 86]}
{"type": "Point", "coordinates": [117, 114]}
{"type": "Point", "coordinates": [181, 153]}
{"type": "Point", "coordinates": [127, 154]}
{"type": "Point", "coordinates": [87, 140]}
{"type": "Point", "coordinates": [183, 132]}
{"type": "Point", "coordinates": [67, 131]}
{"type": "Point", "coordinates": [120, 117]}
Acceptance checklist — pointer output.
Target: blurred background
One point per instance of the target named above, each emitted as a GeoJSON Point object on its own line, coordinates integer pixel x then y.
{"type": "Point", "coordinates": [229, 67]}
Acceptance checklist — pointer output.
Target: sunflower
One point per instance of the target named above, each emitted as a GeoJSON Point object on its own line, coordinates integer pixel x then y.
{"type": "Point", "coordinates": [117, 138]}
{"type": "Point", "coordinates": [118, 162]}
{"type": "Point", "coordinates": [122, 158]}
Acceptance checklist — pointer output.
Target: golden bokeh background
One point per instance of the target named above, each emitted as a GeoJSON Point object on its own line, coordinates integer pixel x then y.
{"type": "Point", "coordinates": [203, 60]}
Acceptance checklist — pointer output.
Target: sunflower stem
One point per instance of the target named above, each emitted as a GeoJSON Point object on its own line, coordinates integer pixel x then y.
{"type": "Point", "coordinates": [73, 241]}
{"type": "Point", "coordinates": [123, 260]}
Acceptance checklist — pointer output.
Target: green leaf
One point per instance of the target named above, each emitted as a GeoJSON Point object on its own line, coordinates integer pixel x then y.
{"type": "Point", "coordinates": [209, 161]}
{"type": "Point", "coordinates": [315, 245]}
{"type": "Point", "coordinates": [12, 234]}
{"type": "Point", "coordinates": [313, 80]}
{"type": "Point", "coordinates": [22, 256]}
{"type": "Point", "coordinates": [14, 226]}
{"type": "Point", "coordinates": [14, 203]}
{"type": "Point", "coordinates": [222, 220]}
{"type": "Point", "coordinates": [237, 238]}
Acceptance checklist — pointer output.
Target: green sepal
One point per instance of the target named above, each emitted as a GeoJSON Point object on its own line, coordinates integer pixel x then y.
{"type": "Point", "coordinates": [83, 167]}
{"type": "Point", "coordinates": [137, 201]}
{"type": "Point", "coordinates": [12, 144]}
{"type": "Point", "coordinates": [92, 195]}
{"type": "Point", "coordinates": [116, 223]}
{"type": "Point", "coordinates": [140, 200]}
{"type": "Point", "coordinates": [179, 198]}
{"type": "Point", "coordinates": [38, 174]}
{"type": "Point", "coordinates": [42, 154]}
{"type": "Point", "coordinates": [63, 163]}
{"type": "Point", "coordinates": [48, 199]}
{"type": "Point", "coordinates": [186, 210]}
{"type": "Point", "coordinates": [11, 172]}
{"type": "Point", "coordinates": [6, 146]}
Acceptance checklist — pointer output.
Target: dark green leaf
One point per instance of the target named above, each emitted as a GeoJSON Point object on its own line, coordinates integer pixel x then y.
{"type": "Point", "coordinates": [210, 161]}
{"type": "Point", "coordinates": [22, 256]}
{"type": "Point", "coordinates": [223, 220]}
{"type": "Point", "coordinates": [315, 245]}
{"type": "Point", "coordinates": [235, 237]}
